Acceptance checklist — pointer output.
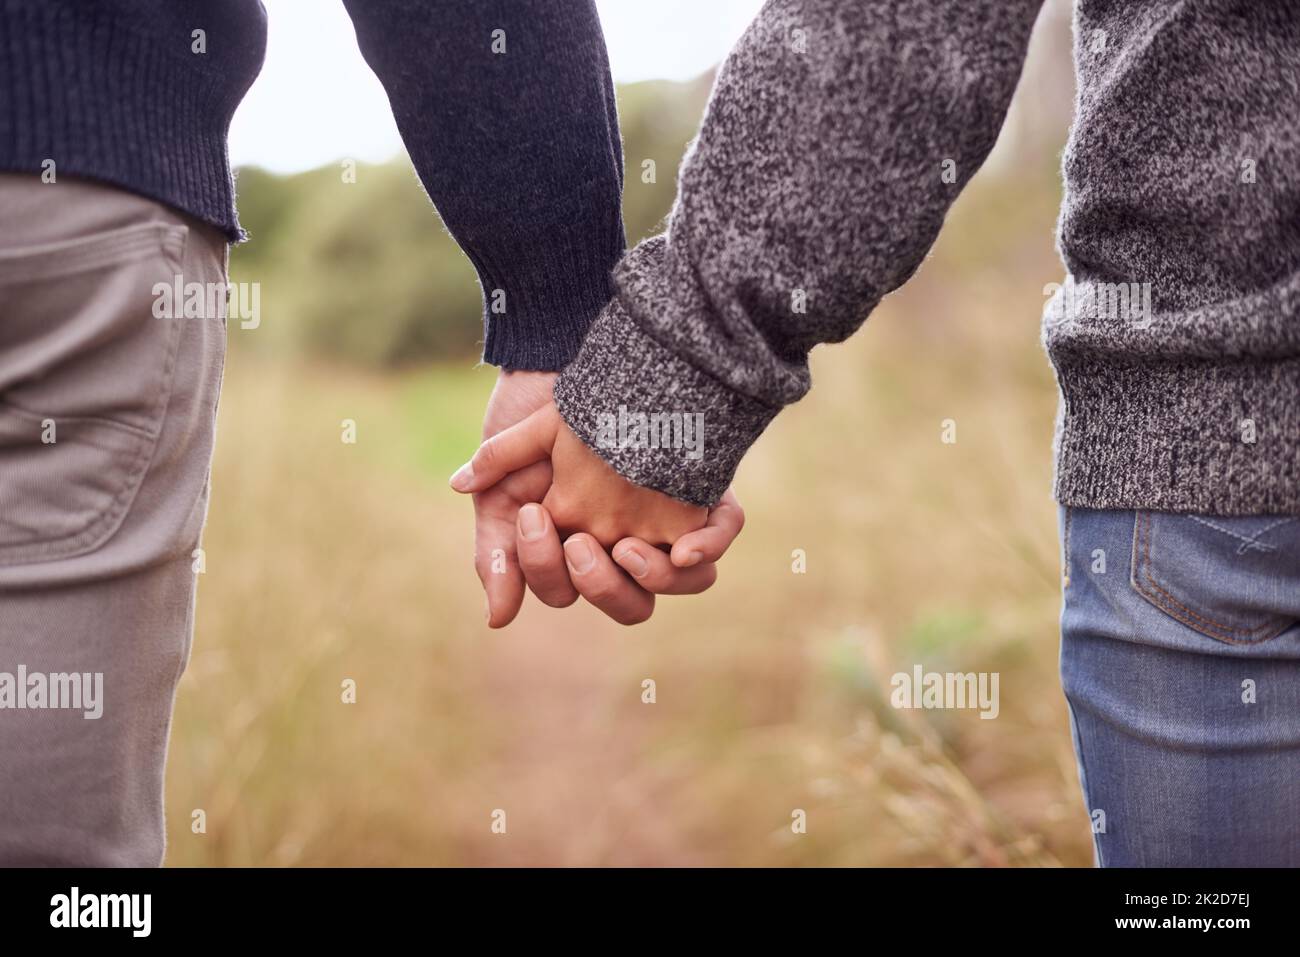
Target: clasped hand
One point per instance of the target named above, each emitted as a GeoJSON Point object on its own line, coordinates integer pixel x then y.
{"type": "Point", "coordinates": [551, 515]}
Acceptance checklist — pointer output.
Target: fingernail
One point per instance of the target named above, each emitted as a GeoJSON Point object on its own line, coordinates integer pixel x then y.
{"type": "Point", "coordinates": [631, 560]}
{"type": "Point", "coordinates": [463, 478]}
{"type": "Point", "coordinates": [578, 556]}
{"type": "Point", "coordinates": [692, 558]}
{"type": "Point", "coordinates": [532, 523]}
{"type": "Point", "coordinates": [487, 612]}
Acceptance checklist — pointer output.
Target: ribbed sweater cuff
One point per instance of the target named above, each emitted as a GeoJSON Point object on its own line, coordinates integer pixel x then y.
{"type": "Point", "coordinates": [1205, 436]}
{"type": "Point", "coordinates": [104, 102]}
{"type": "Point", "coordinates": [656, 419]}
{"type": "Point", "coordinates": [541, 292]}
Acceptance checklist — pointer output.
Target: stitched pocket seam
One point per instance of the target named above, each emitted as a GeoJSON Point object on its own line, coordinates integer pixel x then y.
{"type": "Point", "coordinates": [170, 242]}
{"type": "Point", "coordinates": [68, 257]}
{"type": "Point", "coordinates": [25, 413]}
{"type": "Point", "coordinates": [1152, 591]}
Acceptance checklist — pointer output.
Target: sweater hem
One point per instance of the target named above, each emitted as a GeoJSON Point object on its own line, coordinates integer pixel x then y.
{"type": "Point", "coordinates": [155, 130]}
{"type": "Point", "coordinates": [1213, 437]}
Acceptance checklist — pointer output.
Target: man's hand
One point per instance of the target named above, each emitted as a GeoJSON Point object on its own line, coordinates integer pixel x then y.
{"type": "Point", "coordinates": [515, 396]}
{"type": "Point", "coordinates": [538, 458]}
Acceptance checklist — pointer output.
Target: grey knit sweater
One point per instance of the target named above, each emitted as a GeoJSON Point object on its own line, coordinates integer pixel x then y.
{"type": "Point", "coordinates": [838, 134]}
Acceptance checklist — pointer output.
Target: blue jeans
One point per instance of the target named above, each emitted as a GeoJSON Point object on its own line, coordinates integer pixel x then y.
{"type": "Point", "coordinates": [1180, 659]}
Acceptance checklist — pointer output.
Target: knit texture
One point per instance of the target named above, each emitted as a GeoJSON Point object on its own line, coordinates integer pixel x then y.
{"type": "Point", "coordinates": [112, 91]}
{"type": "Point", "coordinates": [816, 187]}
{"type": "Point", "coordinates": [514, 133]}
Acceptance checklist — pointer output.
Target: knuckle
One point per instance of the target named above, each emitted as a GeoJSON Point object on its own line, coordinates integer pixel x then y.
{"type": "Point", "coordinates": [633, 616]}
{"type": "Point", "coordinates": [708, 577]}
{"type": "Point", "coordinates": [657, 580]}
{"type": "Point", "coordinates": [558, 598]}
{"type": "Point", "coordinates": [533, 561]}
{"type": "Point", "coordinates": [563, 514]}
{"type": "Point", "coordinates": [686, 521]}
{"type": "Point", "coordinates": [606, 534]}
{"type": "Point", "coordinates": [740, 517]}
{"type": "Point", "coordinates": [485, 459]}
{"type": "Point", "coordinates": [567, 522]}
{"type": "Point", "coordinates": [601, 589]}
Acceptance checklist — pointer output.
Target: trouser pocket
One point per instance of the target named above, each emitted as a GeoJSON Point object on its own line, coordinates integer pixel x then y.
{"type": "Point", "coordinates": [86, 368]}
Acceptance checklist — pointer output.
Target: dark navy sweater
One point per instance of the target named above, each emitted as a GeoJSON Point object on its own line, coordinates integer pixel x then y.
{"type": "Point", "coordinates": [517, 147]}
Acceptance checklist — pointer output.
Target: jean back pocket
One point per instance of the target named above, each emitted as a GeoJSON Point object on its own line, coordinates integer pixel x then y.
{"type": "Point", "coordinates": [1235, 579]}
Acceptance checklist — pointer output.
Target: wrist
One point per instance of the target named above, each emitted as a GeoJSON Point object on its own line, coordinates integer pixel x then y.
{"type": "Point", "coordinates": [656, 419]}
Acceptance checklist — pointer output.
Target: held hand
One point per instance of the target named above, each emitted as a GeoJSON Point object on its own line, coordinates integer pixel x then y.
{"type": "Point", "coordinates": [586, 495]}
{"type": "Point", "coordinates": [623, 586]}
{"type": "Point", "coordinates": [517, 540]}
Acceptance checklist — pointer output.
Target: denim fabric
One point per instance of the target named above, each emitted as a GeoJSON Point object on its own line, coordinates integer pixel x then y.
{"type": "Point", "coordinates": [1180, 659]}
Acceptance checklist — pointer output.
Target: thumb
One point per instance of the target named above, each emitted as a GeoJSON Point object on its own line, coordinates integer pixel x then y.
{"type": "Point", "coordinates": [517, 447]}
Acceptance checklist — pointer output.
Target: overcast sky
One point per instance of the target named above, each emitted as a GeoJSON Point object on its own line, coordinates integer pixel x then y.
{"type": "Point", "coordinates": [316, 100]}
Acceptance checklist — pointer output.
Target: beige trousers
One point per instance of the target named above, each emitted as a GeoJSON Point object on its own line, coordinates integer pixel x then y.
{"type": "Point", "coordinates": [108, 399]}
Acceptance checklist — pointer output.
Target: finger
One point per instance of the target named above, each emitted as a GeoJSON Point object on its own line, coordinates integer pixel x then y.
{"type": "Point", "coordinates": [654, 571]}
{"type": "Point", "coordinates": [496, 564]}
{"type": "Point", "coordinates": [603, 583]}
{"type": "Point", "coordinates": [541, 557]}
{"type": "Point", "coordinates": [524, 443]}
{"type": "Point", "coordinates": [710, 543]}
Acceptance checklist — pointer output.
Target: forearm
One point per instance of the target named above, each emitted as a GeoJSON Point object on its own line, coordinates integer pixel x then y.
{"type": "Point", "coordinates": [817, 185]}
{"type": "Point", "coordinates": [515, 137]}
